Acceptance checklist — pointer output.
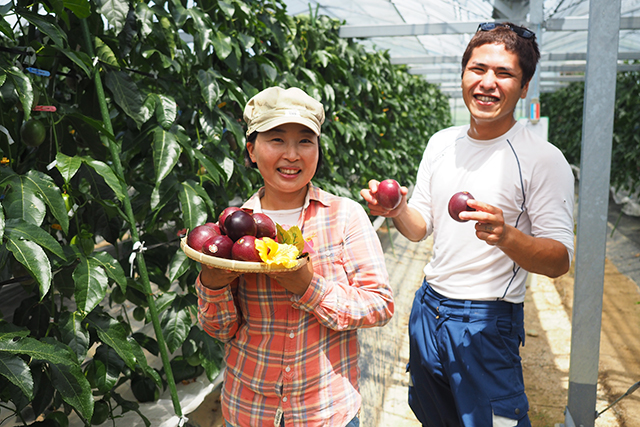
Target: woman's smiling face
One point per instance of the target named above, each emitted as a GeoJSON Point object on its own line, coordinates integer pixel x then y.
{"type": "Point", "coordinates": [287, 157]}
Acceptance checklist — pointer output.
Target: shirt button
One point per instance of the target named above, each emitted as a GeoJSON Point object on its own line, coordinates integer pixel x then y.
{"type": "Point", "coordinates": [517, 411]}
{"type": "Point", "coordinates": [287, 369]}
{"type": "Point", "coordinates": [291, 335]}
{"type": "Point", "coordinates": [284, 399]}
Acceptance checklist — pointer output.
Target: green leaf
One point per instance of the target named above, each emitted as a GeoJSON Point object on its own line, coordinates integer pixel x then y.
{"type": "Point", "coordinates": [178, 266]}
{"type": "Point", "coordinates": [126, 95]}
{"type": "Point", "coordinates": [107, 173]}
{"type": "Point", "coordinates": [114, 334]}
{"type": "Point", "coordinates": [166, 153]}
{"type": "Point", "coordinates": [233, 126]}
{"type": "Point", "coordinates": [112, 267]}
{"type": "Point", "coordinates": [14, 369]}
{"type": "Point", "coordinates": [115, 11]}
{"type": "Point", "coordinates": [212, 354]}
{"type": "Point", "coordinates": [96, 124]}
{"type": "Point", "coordinates": [222, 45]}
{"type": "Point", "coordinates": [80, 8]}
{"type": "Point", "coordinates": [203, 27]}
{"type": "Point", "coordinates": [5, 28]}
{"type": "Point", "coordinates": [228, 166]}
{"type": "Point", "coordinates": [24, 88]}
{"type": "Point", "coordinates": [47, 190]}
{"type": "Point", "coordinates": [81, 59]}
{"type": "Point", "coordinates": [213, 169]}
{"type": "Point", "coordinates": [67, 166]}
{"type": "Point", "coordinates": [175, 327]}
{"type": "Point", "coordinates": [36, 187]}
{"type": "Point", "coordinates": [166, 110]}
{"type": "Point", "coordinates": [34, 259]}
{"type": "Point", "coordinates": [17, 229]}
{"type": "Point", "coordinates": [104, 52]}
{"type": "Point", "coordinates": [138, 354]}
{"type": "Point", "coordinates": [282, 235]}
{"type": "Point", "coordinates": [227, 8]}
{"type": "Point", "coordinates": [91, 284]}
{"type": "Point", "coordinates": [193, 208]}
{"type": "Point", "coordinates": [209, 88]}
{"type": "Point", "coordinates": [74, 388]}
{"type": "Point", "coordinates": [53, 352]}
{"type": "Point", "coordinates": [106, 369]}
{"type": "Point", "coordinates": [165, 300]}
{"type": "Point", "coordinates": [52, 30]}
{"type": "Point", "coordinates": [73, 334]}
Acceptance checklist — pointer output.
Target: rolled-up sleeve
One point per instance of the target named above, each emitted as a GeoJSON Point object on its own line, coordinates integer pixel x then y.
{"type": "Point", "coordinates": [217, 312]}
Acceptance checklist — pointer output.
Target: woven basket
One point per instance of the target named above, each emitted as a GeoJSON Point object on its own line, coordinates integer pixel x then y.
{"type": "Point", "coordinates": [233, 265]}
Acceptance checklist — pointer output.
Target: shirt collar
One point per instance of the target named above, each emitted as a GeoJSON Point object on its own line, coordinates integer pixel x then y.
{"type": "Point", "coordinates": [313, 194]}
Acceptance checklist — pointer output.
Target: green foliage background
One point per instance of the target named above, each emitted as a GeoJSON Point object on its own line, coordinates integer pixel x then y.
{"type": "Point", "coordinates": [77, 208]}
{"type": "Point", "coordinates": [564, 107]}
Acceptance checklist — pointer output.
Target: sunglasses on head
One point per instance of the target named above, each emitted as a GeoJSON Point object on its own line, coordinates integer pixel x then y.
{"type": "Point", "coordinates": [521, 31]}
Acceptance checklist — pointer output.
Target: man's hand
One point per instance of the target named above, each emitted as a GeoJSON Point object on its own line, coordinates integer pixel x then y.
{"type": "Point", "coordinates": [534, 254]}
{"type": "Point", "coordinates": [369, 195]}
{"type": "Point", "coordinates": [490, 226]}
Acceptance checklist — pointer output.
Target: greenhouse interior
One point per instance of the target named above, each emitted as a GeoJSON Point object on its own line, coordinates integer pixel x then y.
{"type": "Point", "coordinates": [122, 129]}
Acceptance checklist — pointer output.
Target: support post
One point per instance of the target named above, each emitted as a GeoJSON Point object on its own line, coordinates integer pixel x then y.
{"type": "Point", "coordinates": [595, 167]}
{"type": "Point", "coordinates": [536, 16]}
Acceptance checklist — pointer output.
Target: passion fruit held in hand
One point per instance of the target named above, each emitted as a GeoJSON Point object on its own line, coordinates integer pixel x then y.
{"type": "Point", "coordinates": [388, 194]}
{"type": "Point", "coordinates": [458, 203]}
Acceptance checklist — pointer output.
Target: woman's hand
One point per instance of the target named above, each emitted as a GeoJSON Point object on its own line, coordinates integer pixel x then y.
{"type": "Point", "coordinates": [296, 281]}
{"type": "Point", "coordinates": [216, 278]}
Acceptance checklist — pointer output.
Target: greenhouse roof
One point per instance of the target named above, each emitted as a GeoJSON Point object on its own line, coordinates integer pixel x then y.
{"type": "Point", "coordinates": [430, 35]}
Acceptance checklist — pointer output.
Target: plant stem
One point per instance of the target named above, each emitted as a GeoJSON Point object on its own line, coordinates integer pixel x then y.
{"type": "Point", "coordinates": [142, 268]}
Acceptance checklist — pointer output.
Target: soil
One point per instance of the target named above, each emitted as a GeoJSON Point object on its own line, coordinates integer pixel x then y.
{"type": "Point", "coordinates": [546, 352]}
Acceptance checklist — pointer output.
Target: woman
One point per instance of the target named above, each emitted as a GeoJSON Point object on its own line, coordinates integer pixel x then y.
{"type": "Point", "coordinates": [291, 347]}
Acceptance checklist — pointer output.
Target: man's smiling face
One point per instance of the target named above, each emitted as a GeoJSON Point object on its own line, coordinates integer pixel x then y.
{"type": "Point", "coordinates": [491, 88]}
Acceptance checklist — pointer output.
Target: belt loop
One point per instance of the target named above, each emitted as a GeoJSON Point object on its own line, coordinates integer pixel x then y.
{"type": "Point", "coordinates": [467, 311]}
{"type": "Point", "coordinates": [513, 318]}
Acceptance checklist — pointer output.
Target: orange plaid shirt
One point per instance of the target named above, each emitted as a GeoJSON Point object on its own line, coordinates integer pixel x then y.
{"type": "Point", "coordinates": [299, 354]}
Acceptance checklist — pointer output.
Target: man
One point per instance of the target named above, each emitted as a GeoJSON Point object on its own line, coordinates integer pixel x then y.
{"type": "Point", "coordinates": [466, 323]}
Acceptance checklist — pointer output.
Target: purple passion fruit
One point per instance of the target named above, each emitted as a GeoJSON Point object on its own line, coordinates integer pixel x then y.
{"type": "Point", "coordinates": [458, 203]}
{"type": "Point", "coordinates": [388, 194]}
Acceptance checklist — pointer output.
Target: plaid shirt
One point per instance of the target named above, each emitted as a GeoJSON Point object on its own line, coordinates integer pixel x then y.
{"type": "Point", "coordinates": [299, 354]}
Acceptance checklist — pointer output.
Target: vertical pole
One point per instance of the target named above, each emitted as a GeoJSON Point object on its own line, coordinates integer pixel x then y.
{"type": "Point", "coordinates": [142, 267]}
{"type": "Point", "coordinates": [536, 17]}
{"type": "Point", "coordinates": [595, 167]}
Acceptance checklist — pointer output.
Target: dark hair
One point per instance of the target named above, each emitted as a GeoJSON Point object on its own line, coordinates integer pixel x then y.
{"type": "Point", "coordinates": [525, 48]}
{"type": "Point", "coordinates": [252, 139]}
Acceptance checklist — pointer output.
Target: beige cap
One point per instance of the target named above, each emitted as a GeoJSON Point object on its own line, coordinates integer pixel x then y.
{"type": "Point", "coordinates": [276, 106]}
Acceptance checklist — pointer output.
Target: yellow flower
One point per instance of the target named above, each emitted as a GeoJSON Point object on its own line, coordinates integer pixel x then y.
{"type": "Point", "coordinates": [274, 253]}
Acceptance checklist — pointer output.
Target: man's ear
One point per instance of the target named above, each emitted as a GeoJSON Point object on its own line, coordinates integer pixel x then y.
{"type": "Point", "coordinates": [525, 90]}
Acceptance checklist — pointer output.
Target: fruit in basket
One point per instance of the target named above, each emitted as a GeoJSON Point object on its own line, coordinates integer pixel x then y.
{"type": "Point", "coordinates": [223, 216]}
{"type": "Point", "coordinates": [388, 194]}
{"type": "Point", "coordinates": [238, 224]}
{"type": "Point", "coordinates": [199, 235]}
{"type": "Point", "coordinates": [244, 249]}
{"type": "Point", "coordinates": [215, 226]}
{"type": "Point", "coordinates": [218, 246]}
{"type": "Point", "coordinates": [265, 226]}
{"type": "Point", "coordinates": [458, 203]}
